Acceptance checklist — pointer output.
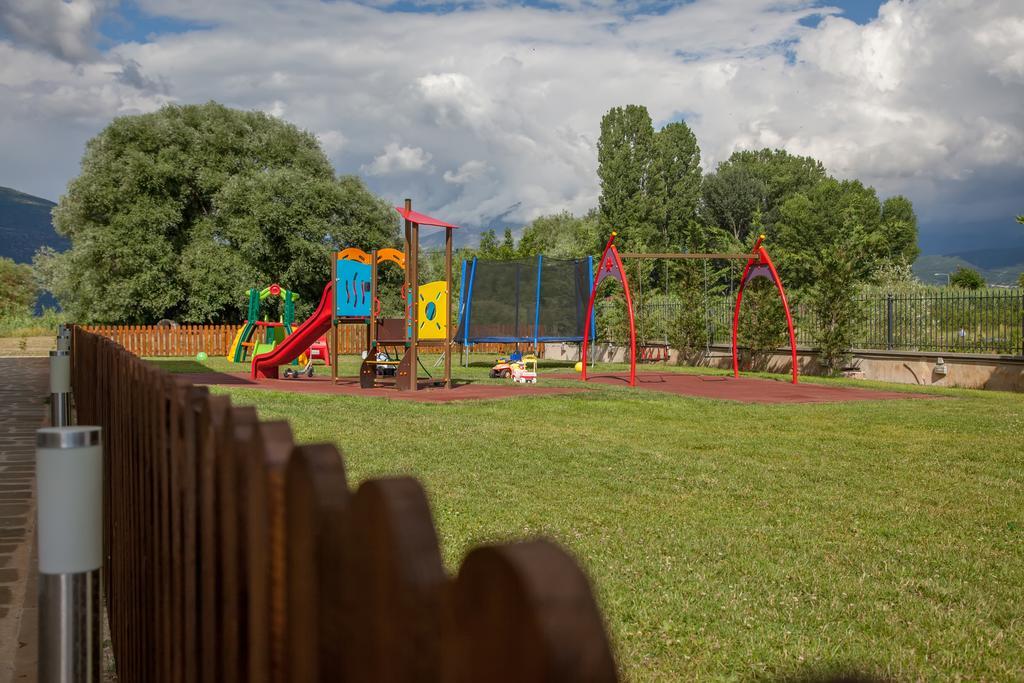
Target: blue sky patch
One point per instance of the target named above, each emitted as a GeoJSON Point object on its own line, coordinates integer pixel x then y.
{"type": "Point", "coordinates": [128, 23]}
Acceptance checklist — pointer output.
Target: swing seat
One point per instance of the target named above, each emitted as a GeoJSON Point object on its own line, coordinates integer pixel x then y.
{"type": "Point", "coordinates": [652, 352]}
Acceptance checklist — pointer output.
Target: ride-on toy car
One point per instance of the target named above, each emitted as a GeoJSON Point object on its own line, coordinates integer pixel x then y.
{"type": "Point", "coordinates": [525, 371]}
{"type": "Point", "coordinates": [518, 368]}
{"type": "Point", "coordinates": [307, 370]}
{"type": "Point", "coordinates": [503, 368]}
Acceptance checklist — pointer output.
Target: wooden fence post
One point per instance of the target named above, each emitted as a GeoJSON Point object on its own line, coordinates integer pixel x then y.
{"type": "Point", "coordinates": [264, 484]}
{"type": "Point", "coordinates": [394, 585]}
{"type": "Point", "coordinates": [525, 612]}
{"type": "Point", "coordinates": [317, 500]}
{"type": "Point", "coordinates": [241, 427]}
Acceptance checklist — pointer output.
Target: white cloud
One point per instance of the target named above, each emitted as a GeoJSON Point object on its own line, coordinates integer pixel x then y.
{"type": "Point", "coordinates": [332, 141]}
{"type": "Point", "coordinates": [508, 99]}
{"type": "Point", "coordinates": [396, 159]}
{"type": "Point", "coordinates": [65, 28]}
{"type": "Point", "coordinates": [467, 173]}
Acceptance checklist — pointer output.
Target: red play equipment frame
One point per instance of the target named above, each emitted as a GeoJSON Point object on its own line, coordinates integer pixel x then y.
{"type": "Point", "coordinates": [610, 266]}
{"type": "Point", "coordinates": [759, 264]}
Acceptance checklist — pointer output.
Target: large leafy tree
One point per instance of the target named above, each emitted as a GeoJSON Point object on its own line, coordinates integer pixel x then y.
{"type": "Point", "coordinates": [561, 235]}
{"type": "Point", "coordinates": [679, 156]}
{"type": "Point", "coordinates": [747, 191]}
{"type": "Point", "coordinates": [491, 249]}
{"type": "Point", "coordinates": [899, 227]}
{"type": "Point", "coordinates": [176, 213]}
{"type": "Point", "coordinates": [632, 185]}
{"type": "Point", "coordinates": [834, 212]}
{"type": "Point", "coordinates": [731, 199]}
{"type": "Point", "coordinates": [679, 161]}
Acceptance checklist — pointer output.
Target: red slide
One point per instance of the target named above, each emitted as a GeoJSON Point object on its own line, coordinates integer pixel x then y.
{"type": "Point", "coordinates": [265, 365]}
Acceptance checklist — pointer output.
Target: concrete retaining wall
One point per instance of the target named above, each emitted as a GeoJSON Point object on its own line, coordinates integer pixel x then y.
{"type": "Point", "coordinates": [1000, 373]}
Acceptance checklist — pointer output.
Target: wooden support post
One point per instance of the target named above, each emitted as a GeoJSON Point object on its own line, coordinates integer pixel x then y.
{"type": "Point", "coordinates": [414, 290]}
{"type": "Point", "coordinates": [448, 308]}
{"type": "Point", "coordinates": [334, 319]}
{"type": "Point", "coordinates": [371, 347]}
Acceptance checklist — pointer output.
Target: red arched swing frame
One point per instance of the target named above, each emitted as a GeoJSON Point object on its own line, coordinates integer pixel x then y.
{"type": "Point", "coordinates": [759, 264]}
{"type": "Point", "coordinates": [610, 267]}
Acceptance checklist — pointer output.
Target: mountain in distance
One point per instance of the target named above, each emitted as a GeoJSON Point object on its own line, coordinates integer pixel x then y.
{"type": "Point", "coordinates": [26, 225]}
{"type": "Point", "coordinates": [997, 266]}
{"type": "Point", "coordinates": [432, 239]}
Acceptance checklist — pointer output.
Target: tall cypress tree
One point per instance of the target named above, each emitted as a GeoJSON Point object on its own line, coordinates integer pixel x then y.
{"type": "Point", "coordinates": [679, 156]}
{"type": "Point", "coordinates": [632, 187]}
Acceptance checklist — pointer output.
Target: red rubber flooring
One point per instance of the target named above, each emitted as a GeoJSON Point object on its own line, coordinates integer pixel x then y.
{"type": "Point", "coordinates": [743, 389]}
{"type": "Point", "coordinates": [349, 386]}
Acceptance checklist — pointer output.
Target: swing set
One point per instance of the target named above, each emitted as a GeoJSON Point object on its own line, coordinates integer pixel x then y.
{"type": "Point", "coordinates": [759, 264]}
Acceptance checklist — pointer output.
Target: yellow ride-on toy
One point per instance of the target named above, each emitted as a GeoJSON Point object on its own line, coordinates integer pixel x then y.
{"type": "Point", "coordinates": [519, 368]}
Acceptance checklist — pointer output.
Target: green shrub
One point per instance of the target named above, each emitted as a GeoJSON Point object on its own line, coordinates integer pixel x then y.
{"type": "Point", "coordinates": [28, 325]}
{"type": "Point", "coordinates": [966, 278]}
{"type": "Point", "coordinates": [688, 328]}
{"type": "Point", "coordinates": [833, 302]}
{"type": "Point", "coordinates": [763, 328]}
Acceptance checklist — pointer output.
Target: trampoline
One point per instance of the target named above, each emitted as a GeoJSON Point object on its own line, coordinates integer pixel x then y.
{"type": "Point", "coordinates": [524, 301]}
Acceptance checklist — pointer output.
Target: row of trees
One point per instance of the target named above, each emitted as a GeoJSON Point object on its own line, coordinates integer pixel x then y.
{"type": "Point", "coordinates": [176, 213]}
{"type": "Point", "coordinates": [827, 236]}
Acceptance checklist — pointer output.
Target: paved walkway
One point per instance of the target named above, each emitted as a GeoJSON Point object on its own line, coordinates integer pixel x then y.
{"type": "Point", "coordinates": [24, 385]}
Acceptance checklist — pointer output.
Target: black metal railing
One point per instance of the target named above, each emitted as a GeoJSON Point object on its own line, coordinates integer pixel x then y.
{"type": "Point", "coordinates": [989, 321]}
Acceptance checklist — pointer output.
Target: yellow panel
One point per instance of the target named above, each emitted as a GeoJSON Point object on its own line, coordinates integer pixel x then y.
{"type": "Point", "coordinates": [353, 254]}
{"type": "Point", "coordinates": [433, 310]}
{"type": "Point", "coordinates": [393, 255]}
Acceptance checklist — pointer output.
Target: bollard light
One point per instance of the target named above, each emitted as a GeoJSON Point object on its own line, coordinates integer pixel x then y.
{"type": "Point", "coordinates": [63, 338]}
{"type": "Point", "coordinates": [69, 482]}
{"type": "Point", "coordinates": [60, 388]}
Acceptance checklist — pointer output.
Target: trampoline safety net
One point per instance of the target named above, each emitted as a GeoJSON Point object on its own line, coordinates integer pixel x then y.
{"type": "Point", "coordinates": [528, 300]}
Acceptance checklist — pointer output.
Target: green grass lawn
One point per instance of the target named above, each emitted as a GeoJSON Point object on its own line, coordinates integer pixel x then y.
{"type": "Point", "coordinates": [725, 540]}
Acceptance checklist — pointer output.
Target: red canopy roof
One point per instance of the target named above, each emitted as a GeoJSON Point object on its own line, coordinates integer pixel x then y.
{"type": "Point", "coordinates": [421, 218]}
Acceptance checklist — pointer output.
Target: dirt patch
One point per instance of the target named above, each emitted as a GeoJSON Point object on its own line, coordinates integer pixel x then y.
{"type": "Point", "coordinates": [27, 346]}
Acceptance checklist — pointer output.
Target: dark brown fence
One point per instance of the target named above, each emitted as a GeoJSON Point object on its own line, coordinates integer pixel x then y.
{"type": "Point", "coordinates": [234, 555]}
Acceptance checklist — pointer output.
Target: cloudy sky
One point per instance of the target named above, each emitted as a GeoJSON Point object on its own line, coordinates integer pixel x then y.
{"type": "Point", "coordinates": [488, 111]}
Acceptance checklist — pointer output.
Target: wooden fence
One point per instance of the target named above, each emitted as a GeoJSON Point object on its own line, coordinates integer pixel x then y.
{"type": "Point", "coordinates": [231, 554]}
{"type": "Point", "coordinates": [215, 340]}
{"type": "Point", "coordinates": [184, 340]}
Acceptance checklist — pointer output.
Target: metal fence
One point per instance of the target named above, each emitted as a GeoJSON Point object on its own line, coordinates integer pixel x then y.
{"type": "Point", "coordinates": [990, 321]}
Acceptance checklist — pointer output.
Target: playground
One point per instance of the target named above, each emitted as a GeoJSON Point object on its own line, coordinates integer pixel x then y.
{"type": "Point", "coordinates": [734, 524]}
{"type": "Point", "coordinates": [725, 539]}
{"type": "Point", "coordinates": [468, 387]}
